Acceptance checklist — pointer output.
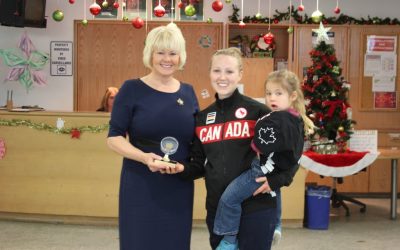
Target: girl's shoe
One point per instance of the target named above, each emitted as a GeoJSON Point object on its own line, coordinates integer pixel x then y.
{"type": "Point", "coordinates": [225, 245]}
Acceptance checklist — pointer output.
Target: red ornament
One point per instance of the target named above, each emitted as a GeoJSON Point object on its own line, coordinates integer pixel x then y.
{"type": "Point", "coordinates": [71, 1]}
{"type": "Point", "coordinates": [325, 21]}
{"type": "Point", "coordinates": [269, 38]}
{"type": "Point", "coordinates": [300, 8]}
{"type": "Point", "coordinates": [137, 22]}
{"type": "Point", "coordinates": [336, 10]}
{"type": "Point", "coordinates": [159, 11]}
{"type": "Point", "coordinates": [95, 9]}
{"type": "Point", "coordinates": [217, 5]}
{"type": "Point", "coordinates": [276, 21]}
{"type": "Point", "coordinates": [180, 5]}
{"type": "Point", "coordinates": [75, 133]}
{"type": "Point", "coordinates": [115, 5]}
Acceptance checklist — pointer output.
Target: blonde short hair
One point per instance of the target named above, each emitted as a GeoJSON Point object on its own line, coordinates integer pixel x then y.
{"type": "Point", "coordinates": [165, 37]}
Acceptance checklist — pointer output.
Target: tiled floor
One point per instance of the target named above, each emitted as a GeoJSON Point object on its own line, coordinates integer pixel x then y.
{"type": "Point", "coordinates": [372, 230]}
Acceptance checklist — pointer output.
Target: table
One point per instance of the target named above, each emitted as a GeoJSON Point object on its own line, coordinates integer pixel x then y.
{"type": "Point", "coordinates": [340, 171]}
{"type": "Point", "coordinates": [394, 156]}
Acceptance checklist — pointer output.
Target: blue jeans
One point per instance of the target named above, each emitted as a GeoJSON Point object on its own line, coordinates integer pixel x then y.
{"type": "Point", "coordinates": [227, 219]}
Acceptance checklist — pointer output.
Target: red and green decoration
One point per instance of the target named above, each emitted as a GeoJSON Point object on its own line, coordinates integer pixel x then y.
{"type": "Point", "coordinates": [325, 92]}
{"type": "Point", "coordinates": [74, 132]}
{"type": "Point", "coordinates": [305, 19]}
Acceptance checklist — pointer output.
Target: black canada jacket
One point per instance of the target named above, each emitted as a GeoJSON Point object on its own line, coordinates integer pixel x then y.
{"type": "Point", "coordinates": [221, 150]}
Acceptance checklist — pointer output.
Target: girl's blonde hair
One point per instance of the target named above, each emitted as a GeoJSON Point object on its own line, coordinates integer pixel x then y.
{"type": "Point", "coordinates": [290, 82]}
{"type": "Point", "coordinates": [232, 51]}
{"type": "Point", "coordinates": [165, 37]}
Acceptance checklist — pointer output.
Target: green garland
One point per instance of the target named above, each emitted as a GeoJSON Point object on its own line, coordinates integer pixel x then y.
{"type": "Point", "coordinates": [45, 127]}
{"type": "Point", "coordinates": [341, 19]}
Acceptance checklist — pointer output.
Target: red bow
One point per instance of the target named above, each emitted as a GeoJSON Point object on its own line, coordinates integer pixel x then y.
{"type": "Point", "coordinates": [332, 106]}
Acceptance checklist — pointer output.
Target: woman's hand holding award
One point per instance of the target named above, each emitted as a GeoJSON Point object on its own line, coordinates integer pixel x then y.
{"type": "Point", "coordinates": [169, 145]}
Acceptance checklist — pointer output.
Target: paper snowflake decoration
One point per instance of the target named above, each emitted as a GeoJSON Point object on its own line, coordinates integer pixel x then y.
{"type": "Point", "coordinates": [26, 63]}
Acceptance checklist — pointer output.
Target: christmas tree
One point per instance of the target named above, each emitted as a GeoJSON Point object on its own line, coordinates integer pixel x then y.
{"type": "Point", "coordinates": [326, 94]}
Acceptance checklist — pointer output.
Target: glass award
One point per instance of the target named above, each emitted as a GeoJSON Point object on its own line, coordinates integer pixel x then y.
{"type": "Point", "coordinates": [169, 145]}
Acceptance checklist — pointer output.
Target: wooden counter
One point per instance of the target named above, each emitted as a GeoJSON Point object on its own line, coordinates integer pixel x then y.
{"type": "Point", "coordinates": [51, 174]}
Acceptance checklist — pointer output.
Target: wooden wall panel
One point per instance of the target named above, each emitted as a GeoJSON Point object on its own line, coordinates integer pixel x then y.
{"type": "Point", "coordinates": [108, 52]}
{"type": "Point", "coordinates": [255, 72]}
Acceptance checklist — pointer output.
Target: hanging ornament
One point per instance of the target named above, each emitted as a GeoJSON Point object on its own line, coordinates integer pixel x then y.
{"type": "Point", "coordinates": [84, 22]}
{"type": "Point", "coordinates": [209, 20]}
{"type": "Point", "coordinates": [159, 11]}
{"type": "Point", "coordinates": [95, 9]}
{"type": "Point", "coordinates": [241, 24]}
{"type": "Point", "coordinates": [71, 1]}
{"type": "Point", "coordinates": [228, 1]}
{"type": "Point", "coordinates": [316, 16]}
{"type": "Point", "coordinates": [301, 6]}
{"type": "Point", "coordinates": [258, 15]}
{"type": "Point", "coordinates": [104, 4]}
{"type": "Point", "coordinates": [217, 5]}
{"type": "Point", "coordinates": [269, 38]}
{"type": "Point", "coordinates": [58, 15]}
{"type": "Point", "coordinates": [125, 18]}
{"type": "Point", "coordinates": [115, 5]}
{"type": "Point", "coordinates": [190, 10]}
{"type": "Point", "coordinates": [333, 93]}
{"type": "Point", "coordinates": [340, 129]}
{"type": "Point", "coordinates": [337, 9]}
{"type": "Point", "coordinates": [290, 29]}
{"type": "Point", "coordinates": [137, 22]}
{"type": "Point", "coordinates": [180, 5]}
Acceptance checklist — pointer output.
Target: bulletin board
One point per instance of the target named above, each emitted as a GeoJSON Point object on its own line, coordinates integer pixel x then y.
{"type": "Point", "coordinates": [370, 72]}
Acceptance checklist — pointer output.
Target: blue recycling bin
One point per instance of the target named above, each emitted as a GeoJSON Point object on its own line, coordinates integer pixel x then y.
{"type": "Point", "coordinates": [317, 207]}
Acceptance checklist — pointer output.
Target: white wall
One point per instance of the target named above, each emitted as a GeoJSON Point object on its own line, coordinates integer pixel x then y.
{"type": "Point", "coordinates": [58, 94]}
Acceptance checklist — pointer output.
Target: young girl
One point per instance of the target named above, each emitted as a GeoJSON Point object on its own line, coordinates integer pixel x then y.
{"type": "Point", "coordinates": [278, 140]}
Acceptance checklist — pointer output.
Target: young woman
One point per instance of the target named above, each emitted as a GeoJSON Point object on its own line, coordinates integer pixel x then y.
{"type": "Point", "coordinates": [222, 151]}
{"type": "Point", "coordinates": [155, 210]}
{"type": "Point", "coordinates": [279, 140]}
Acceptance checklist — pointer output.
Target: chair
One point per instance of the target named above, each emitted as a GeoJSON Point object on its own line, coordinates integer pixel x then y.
{"type": "Point", "coordinates": [338, 199]}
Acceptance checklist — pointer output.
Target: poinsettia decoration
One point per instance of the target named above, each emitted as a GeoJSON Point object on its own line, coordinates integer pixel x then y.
{"type": "Point", "coordinates": [75, 133]}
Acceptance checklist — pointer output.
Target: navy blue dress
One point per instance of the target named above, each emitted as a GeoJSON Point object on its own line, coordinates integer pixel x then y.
{"type": "Point", "coordinates": [155, 210]}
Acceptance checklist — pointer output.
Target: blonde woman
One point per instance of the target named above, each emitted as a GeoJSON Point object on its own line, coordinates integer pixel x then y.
{"type": "Point", "coordinates": [155, 210]}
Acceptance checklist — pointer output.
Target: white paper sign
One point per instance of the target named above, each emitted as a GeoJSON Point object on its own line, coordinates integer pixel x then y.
{"type": "Point", "coordinates": [61, 58]}
{"type": "Point", "coordinates": [383, 83]}
{"type": "Point", "coordinates": [364, 140]}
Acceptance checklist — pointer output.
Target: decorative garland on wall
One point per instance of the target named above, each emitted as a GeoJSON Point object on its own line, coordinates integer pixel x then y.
{"type": "Point", "coordinates": [282, 16]}
{"type": "Point", "coordinates": [74, 132]}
